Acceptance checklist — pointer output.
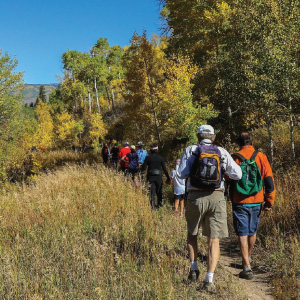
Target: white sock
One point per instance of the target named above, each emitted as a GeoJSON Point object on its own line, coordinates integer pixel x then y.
{"type": "Point", "coordinates": [194, 265]}
{"type": "Point", "coordinates": [247, 268]}
{"type": "Point", "coordinates": [209, 277]}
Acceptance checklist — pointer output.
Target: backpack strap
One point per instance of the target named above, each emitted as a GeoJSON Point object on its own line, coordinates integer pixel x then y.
{"type": "Point", "coordinates": [254, 154]}
{"type": "Point", "coordinates": [240, 156]}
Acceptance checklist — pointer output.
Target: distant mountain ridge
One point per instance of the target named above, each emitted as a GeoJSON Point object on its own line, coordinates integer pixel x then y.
{"type": "Point", "coordinates": [31, 91]}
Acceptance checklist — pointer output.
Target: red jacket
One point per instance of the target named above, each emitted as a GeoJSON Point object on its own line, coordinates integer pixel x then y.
{"type": "Point", "coordinates": [267, 193]}
{"type": "Point", "coordinates": [122, 153]}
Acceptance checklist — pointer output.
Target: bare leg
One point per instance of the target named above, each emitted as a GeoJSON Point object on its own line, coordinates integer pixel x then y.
{"type": "Point", "coordinates": [176, 204]}
{"type": "Point", "coordinates": [244, 246]}
{"type": "Point", "coordinates": [181, 207]}
{"type": "Point", "coordinates": [213, 254]}
{"type": "Point", "coordinates": [192, 246]}
{"type": "Point", "coordinates": [251, 242]}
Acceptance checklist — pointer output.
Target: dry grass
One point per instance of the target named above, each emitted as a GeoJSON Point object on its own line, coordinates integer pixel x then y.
{"type": "Point", "coordinates": [86, 233]}
{"type": "Point", "coordinates": [50, 160]}
{"type": "Point", "coordinates": [279, 238]}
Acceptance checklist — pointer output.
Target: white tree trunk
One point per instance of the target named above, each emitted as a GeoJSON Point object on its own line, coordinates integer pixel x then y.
{"type": "Point", "coordinates": [89, 97]}
{"type": "Point", "coordinates": [107, 93]}
{"type": "Point", "coordinates": [112, 99]}
{"type": "Point", "coordinates": [97, 98]}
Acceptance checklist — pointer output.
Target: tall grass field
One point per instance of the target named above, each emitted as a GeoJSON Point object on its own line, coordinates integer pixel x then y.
{"type": "Point", "coordinates": [88, 233]}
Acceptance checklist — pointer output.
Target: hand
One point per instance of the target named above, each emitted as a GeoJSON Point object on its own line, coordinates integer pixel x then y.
{"type": "Point", "coordinates": [267, 207]}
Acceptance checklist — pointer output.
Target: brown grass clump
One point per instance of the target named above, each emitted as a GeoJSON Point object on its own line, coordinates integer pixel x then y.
{"type": "Point", "coordinates": [87, 233]}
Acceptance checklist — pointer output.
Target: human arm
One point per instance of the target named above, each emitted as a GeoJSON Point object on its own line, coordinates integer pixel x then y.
{"type": "Point", "coordinates": [232, 169]}
{"type": "Point", "coordinates": [145, 164]}
{"type": "Point", "coordinates": [163, 165]}
{"type": "Point", "coordinates": [172, 175]}
{"type": "Point", "coordinates": [268, 179]}
{"type": "Point", "coordinates": [124, 157]}
{"type": "Point", "coordinates": [186, 162]}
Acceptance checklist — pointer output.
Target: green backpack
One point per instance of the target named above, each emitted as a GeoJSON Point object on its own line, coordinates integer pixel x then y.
{"type": "Point", "coordinates": [251, 181]}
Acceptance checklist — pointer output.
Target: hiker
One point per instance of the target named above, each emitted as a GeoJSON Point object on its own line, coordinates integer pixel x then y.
{"type": "Point", "coordinates": [105, 153]}
{"type": "Point", "coordinates": [154, 164]}
{"type": "Point", "coordinates": [141, 152]}
{"type": "Point", "coordinates": [250, 195]}
{"type": "Point", "coordinates": [133, 162]}
{"type": "Point", "coordinates": [124, 164]}
{"type": "Point", "coordinates": [204, 166]}
{"type": "Point", "coordinates": [114, 156]}
{"type": "Point", "coordinates": [179, 190]}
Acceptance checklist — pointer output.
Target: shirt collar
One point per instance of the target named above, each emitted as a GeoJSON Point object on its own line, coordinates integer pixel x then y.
{"type": "Point", "coordinates": [247, 147]}
{"type": "Point", "coordinates": [206, 141]}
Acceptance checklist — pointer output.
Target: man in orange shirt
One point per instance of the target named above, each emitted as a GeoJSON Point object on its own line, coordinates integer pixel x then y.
{"type": "Point", "coordinates": [247, 208]}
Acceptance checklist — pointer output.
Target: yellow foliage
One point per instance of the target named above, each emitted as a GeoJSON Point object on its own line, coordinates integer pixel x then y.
{"type": "Point", "coordinates": [45, 134]}
{"type": "Point", "coordinates": [98, 129]}
{"type": "Point", "coordinates": [158, 92]}
{"type": "Point", "coordinates": [67, 129]}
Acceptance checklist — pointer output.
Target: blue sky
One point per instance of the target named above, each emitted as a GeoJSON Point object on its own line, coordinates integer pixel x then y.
{"type": "Point", "coordinates": [38, 32]}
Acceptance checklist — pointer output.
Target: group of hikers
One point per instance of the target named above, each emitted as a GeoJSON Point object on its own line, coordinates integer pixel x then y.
{"type": "Point", "coordinates": [135, 161]}
{"type": "Point", "coordinates": [202, 176]}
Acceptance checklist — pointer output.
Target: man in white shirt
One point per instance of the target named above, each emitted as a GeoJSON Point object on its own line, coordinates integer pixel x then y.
{"type": "Point", "coordinates": [206, 205]}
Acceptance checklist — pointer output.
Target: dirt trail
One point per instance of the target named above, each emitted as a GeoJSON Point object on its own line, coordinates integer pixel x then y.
{"type": "Point", "coordinates": [255, 289]}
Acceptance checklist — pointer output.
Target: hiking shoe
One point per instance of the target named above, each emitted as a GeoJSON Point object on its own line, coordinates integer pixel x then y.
{"type": "Point", "coordinates": [246, 274]}
{"type": "Point", "coordinates": [208, 287]}
{"type": "Point", "coordinates": [193, 275]}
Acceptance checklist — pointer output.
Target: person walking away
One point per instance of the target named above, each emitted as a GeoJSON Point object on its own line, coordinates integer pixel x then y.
{"type": "Point", "coordinates": [124, 164]}
{"type": "Point", "coordinates": [179, 190]}
{"type": "Point", "coordinates": [133, 164]}
{"type": "Point", "coordinates": [114, 152]}
{"type": "Point", "coordinates": [154, 164]}
{"type": "Point", "coordinates": [105, 153]}
{"type": "Point", "coordinates": [141, 152]}
{"type": "Point", "coordinates": [203, 166]}
{"type": "Point", "coordinates": [252, 194]}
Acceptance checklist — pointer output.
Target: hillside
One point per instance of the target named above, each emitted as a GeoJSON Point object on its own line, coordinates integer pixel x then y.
{"type": "Point", "coordinates": [31, 91]}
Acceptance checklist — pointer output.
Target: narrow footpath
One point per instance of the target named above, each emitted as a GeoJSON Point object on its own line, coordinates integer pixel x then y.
{"type": "Point", "coordinates": [256, 289]}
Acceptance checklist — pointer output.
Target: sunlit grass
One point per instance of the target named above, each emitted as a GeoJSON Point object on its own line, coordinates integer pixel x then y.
{"type": "Point", "coordinates": [279, 238]}
{"type": "Point", "coordinates": [86, 233]}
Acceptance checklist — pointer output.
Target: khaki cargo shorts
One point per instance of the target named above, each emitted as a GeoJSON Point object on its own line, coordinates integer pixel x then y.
{"type": "Point", "coordinates": [207, 209]}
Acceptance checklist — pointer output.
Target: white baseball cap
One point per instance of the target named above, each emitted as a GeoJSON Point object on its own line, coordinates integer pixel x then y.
{"type": "Point", "coordinates": [206, 129]}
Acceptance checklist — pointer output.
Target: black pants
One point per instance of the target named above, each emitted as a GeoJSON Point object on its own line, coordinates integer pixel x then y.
{"type": "Point", "coordinates": [124, 170]}
{"type": "Point", "coordinates": [105, 159]}
{"type": "Point", "coordinates": [156, 184]}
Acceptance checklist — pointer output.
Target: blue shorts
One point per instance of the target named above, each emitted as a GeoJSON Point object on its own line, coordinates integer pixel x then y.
{"type": "Point", "coordinates": [245, 219]}
{"type": "Point", "coordinates": [179, 196]}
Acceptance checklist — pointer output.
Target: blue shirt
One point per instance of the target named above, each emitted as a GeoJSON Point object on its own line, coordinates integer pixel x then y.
{"type": "Point", "coordinates": [142, 153]}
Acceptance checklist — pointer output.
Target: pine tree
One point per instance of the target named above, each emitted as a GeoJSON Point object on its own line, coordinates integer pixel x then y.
{"type": "Point", "coordinates": [42, 93]}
